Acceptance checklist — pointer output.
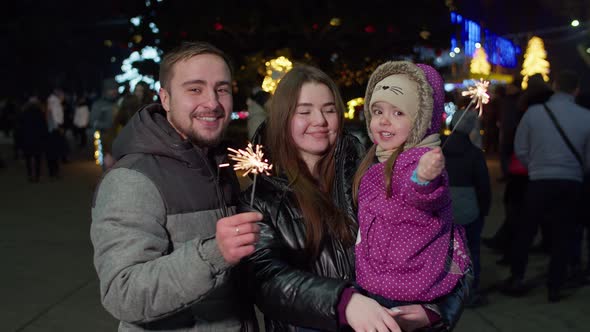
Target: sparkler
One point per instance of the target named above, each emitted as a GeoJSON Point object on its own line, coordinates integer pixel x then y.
{"type": "Point", "coordinates": [251, 161]}
{"type": "Point", "coordinates": [479, 97]}
{"type": "Point", "coordinates": [478, 94]}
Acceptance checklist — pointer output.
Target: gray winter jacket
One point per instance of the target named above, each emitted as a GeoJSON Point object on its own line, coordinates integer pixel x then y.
{"type": "Point", "coordinates": [153, 231]}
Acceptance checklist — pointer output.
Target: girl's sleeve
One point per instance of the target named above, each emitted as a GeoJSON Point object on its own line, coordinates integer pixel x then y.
{"type": "Point", "coordinates": [430, 196]}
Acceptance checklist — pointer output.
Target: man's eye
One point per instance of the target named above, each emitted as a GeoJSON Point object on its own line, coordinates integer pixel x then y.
{"type": "Point", "coordinates": [223, 91]}
{"type": "Point", "coordinates": [195, 90]}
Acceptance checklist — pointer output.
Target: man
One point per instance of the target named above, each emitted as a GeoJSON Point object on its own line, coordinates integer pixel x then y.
{"type": "Point", "coordinates": [555, 186]}
{"type": "Point", "coordinates": [102, 114]}
{"type": "Point", "coordinates": [55, 109]}
{"type": "Point", "coordinates": [508, 121]}
{"type": "Point", "coordinates": [163, 225]}
{"type": "Point", "coordinates": [56, 145]}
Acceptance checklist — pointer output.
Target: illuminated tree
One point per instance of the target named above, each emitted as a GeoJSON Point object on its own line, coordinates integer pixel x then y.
{"type": "Point", "coordinates": [534, 61]}
{"type": "Point", "coordinates": [142, 64]}
{"type": "Point", "coordinates": [479, 64]}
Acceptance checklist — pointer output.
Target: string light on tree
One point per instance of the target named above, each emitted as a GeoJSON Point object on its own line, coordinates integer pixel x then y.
{"type": "Point", "coordinates": [275, 70]}
{"type": "Point", "coordinates": [143, 43]}
{"type": "Point", "coordinates": [534, 61]}
{"type": "Point", "coordinates": [479, 64]}
{"type": "Point", "coordinates": [352, 105]}
{"type": "Point", "coordinates": [98, 156]}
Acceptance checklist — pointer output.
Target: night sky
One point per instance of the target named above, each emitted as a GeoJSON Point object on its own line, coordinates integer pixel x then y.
{"type": "Point", "coordinates": [62, 42]}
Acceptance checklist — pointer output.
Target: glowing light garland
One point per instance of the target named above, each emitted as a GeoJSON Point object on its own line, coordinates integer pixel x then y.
{"type": "Point", "coordinates": [352, 104]}
{"type": "Point", "coordinates": [98, 156]}
{"type": "Point", "coordinates": [535, 61]}
{"type": "Point", "coordinates": [275, 70]}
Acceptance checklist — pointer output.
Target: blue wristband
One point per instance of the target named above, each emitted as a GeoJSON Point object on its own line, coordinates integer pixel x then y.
{"type": "Point", "coordinates": [417, 181]}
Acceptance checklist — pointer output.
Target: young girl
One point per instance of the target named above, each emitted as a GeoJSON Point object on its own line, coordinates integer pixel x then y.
{"type": "Point", "coordinates": [407, 247]}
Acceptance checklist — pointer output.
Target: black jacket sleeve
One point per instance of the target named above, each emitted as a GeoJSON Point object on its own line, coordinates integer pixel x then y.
{"type": "Point", "coordinates": [282, 291]}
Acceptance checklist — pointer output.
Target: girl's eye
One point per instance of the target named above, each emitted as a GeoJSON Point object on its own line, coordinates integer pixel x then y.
{"type": "Point", "coordinates": [376, 111]}
{"type": "Point", "coordinates": [303, 111]}
{"type": "Point", "coordinates": [398, 113]}
{"type": "Point", "coordinates": [329, 110]}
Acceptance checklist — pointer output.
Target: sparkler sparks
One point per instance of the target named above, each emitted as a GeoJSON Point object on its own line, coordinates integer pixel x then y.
{"type": "Point", "coordinates": [249, 160]}
{"type": "Point", "coordinates": [478, 94]}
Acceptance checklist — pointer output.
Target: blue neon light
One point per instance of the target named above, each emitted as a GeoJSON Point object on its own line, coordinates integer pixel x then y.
{"type": "Point", "coordinates": [500, 51]}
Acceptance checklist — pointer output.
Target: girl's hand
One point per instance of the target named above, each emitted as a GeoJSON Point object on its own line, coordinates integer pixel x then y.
{"type": "Point", "coordinates": [430, 165]}
{"type": "Point", "coordinates": [412, 317]}
{"type": "Point", "coordinates": [364, 314]}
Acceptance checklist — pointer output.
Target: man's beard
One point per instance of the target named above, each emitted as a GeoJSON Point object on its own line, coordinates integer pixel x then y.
{"type": "Point", "coordinates": [202, 142]}
{"type": "Point", "coordinates": [196, 138]}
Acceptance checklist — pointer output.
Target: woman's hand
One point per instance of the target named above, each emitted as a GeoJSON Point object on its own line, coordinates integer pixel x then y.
{"type": "Point", "coordinates": [411, 317]}
{"type": "Point", "coordinates": [430, 165]}
{"type": "Point", "coordinates": [364, 314]}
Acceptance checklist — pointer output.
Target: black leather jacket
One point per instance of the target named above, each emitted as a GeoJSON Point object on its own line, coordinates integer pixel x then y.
{"type": "Point", "coordinates": [287, 288]}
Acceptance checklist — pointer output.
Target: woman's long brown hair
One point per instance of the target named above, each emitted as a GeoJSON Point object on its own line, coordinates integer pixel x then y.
{"type": "Point", "coordinates": [314, 197]}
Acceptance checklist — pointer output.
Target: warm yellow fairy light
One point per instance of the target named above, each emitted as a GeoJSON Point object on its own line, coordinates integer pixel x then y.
{"type": "Point", "coordinates": [351, 107]}
{"type": "Point", "coordinates": [275, 70]}
{"type": "Point", "coordinates": [249, 160]}
{"type": "Point", "coordinates": [335, 22]}
{"type": "Point", "coordinates": [479, 64]}
{"type": "Point", "coordinates": [478, 94]}
{"type": "Point", "coordinates": [98, 156]}
{"type": "Point", "coordinates": [535, 61]}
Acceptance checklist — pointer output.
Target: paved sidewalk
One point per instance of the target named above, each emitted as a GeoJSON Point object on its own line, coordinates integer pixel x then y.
{"type": "Point", "coordinates": [49, 283]}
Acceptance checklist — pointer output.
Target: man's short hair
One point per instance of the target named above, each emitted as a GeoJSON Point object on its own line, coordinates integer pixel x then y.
{"type": "Point", "coordinates": [185, 51]}
{"type": "Point", "coordinates": [567, 81]}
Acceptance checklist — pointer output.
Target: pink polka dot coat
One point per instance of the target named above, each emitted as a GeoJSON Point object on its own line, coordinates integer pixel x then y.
{"type": "Point", "coordinates": [403, 246]}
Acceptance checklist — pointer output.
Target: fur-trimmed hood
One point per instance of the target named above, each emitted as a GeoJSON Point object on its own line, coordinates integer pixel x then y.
{"type": "Point", "coordinates": [430, 92]}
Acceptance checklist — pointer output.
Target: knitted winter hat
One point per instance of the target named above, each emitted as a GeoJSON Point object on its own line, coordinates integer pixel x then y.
{"type": "Point", "coordinates": [398, 90]}
{"type": "Point", "coordinates": [430, 91]}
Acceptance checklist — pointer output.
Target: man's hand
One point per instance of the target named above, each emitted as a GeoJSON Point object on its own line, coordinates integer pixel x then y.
{"type": "Point", "coordinates": [366, 315]}
{"type": "Point", "coordinates": [236, 235]}
{"type": "Point", "coordinates": [430, 165]}
{"type": "Point", "coordinates": [412, 317]}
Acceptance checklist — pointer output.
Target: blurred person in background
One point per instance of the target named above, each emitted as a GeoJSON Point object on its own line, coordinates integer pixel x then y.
{"type": "Point", "coordinates": [33, 125]}
{"type": "Point", "coordinates": [81, 119]}
{"type": "Point", "coordinates": [102, 113]}
{"type": "Point", "coordinates": [471, 192]}
{"type": "Point", "coordinates": [556, 177]}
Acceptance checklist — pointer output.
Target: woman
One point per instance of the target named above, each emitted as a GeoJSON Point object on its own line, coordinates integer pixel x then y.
{"type": "Point", "coordinates": [303, 267]}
